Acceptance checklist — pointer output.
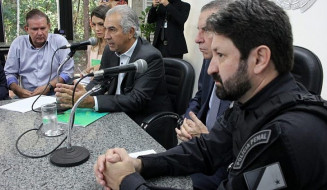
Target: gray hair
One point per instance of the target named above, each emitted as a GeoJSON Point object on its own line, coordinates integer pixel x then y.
{"type": "Point", "coordinates": [129, 19]}
{"type": "Point", "coordinates": [215, 5]}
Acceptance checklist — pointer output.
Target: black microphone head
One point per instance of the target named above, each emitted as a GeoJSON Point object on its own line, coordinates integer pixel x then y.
{"type": "Point", "coordinates": [141, 65]}
{"type": "Point", "coordinates": [93, 41]}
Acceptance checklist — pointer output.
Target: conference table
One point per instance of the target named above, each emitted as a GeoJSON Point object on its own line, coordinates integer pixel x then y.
{"type": "Point", "coordinates": [112, 130]}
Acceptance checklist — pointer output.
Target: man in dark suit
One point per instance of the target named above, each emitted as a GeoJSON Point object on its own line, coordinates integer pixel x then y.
{"type": "Point", "coordinates": [4, 94]}
{"type": "Point", "coordinates": [202, 106]}
{"type": "Point", "coordinates": [138, 95]}
{"type": "Point", "coordinates": [169, 16]}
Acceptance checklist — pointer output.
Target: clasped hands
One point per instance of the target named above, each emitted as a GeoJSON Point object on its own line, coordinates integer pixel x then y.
{"type": "Point", "coordinates": [111, 168]}
{"type": "Point", "coordinates": [191, 128]}
{"type": "Point", "coordinates": [24, 93]}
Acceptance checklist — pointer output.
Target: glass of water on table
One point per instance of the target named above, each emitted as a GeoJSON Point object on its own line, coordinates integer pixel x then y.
{"type": "Point", "coordinates": [50, 126]}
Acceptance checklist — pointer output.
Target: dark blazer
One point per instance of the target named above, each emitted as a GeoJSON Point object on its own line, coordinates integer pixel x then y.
{"type": "Point", "coordinates": [200, 103]}
{"type": "Point", "coordinates": [177, 14]}
{"type": "Point", "coordinates": [4, 94]}
{"type": "Point", "coordinates": [200, 106]}
{"type": "Point", "coordinates": [141, 93]}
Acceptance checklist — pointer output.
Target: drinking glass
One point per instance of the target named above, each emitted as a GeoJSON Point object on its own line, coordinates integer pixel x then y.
{"type": "Point", "coordinates": [50, 122]}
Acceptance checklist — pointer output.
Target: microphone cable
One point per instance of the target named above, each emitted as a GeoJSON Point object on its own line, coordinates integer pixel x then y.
{"type": "Point", "coordinates": [36, 129]}
{"type": "Point", "coordinates": [41, 125]}
{"type": "Point", "coordinates": [75, 86]}
{"type": "Point", "coordinates": [33, 156]}
{"type": "Point", "coordinates": [48, 83]}
{"type": "Point", "coordinates": [73, 95]}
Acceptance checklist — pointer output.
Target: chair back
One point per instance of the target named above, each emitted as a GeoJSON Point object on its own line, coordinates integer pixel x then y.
{"type": "Point", "coordinates": [307, 69]}
{"type": "Point", "coordinates": [180, 78]}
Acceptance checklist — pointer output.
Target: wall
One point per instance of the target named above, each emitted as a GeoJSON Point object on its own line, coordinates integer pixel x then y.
{"type": "Point", "coordinates": [309, 30]}
{"type": "Point", "coordinates": [136, 5]}
{"type": "Point", "coordinates": [194, 56]}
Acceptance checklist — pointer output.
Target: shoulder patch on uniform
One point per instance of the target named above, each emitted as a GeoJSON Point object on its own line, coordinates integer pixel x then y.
{"type": "Point", "coordinates": [267, 177]}
{"type": "Point", "coordinates": [261, 137]}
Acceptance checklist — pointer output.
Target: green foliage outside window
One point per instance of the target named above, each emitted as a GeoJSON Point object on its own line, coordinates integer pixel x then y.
{"type": "Point", "coordinates": [10, 15]}
{"type": "Point", "coordinates": [49, 7]}
{"type": "Point", "coordinates": [146, 28]}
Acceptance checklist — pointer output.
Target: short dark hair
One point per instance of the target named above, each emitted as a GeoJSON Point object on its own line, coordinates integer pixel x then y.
{"type": "Point", "coordinates": [251, 23]}
{"type": "Point", "coordinates": [100, 11]}
{"type": "Point", "coordinates": [36, 13]}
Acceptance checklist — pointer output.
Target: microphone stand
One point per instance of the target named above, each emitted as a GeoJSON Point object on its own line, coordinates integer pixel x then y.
{"type": "Point", "coordinates": [72, 155]}
{"type": "Point", "coordinates": [70, 55]}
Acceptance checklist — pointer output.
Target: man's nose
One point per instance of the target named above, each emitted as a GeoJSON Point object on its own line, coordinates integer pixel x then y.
{"type": "Point", "coordinates": [213, 68]}
{"type": "Point", "coordinates": [39, 31]}
{"type": "Point", "coordinates": [199, 39]}
{"type": "Point", "coordinates": [107, 35]}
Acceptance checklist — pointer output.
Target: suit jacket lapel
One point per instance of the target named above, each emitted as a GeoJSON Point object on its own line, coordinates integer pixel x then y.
{"type": "Point", "coordinates": [129, 76]}
{"type": "Point", "coordinates": [207, 87]}
{"type": "Point", "coordinates": [114, 61]}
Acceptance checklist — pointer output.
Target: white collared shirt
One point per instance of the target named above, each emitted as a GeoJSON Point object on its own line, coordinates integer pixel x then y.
{"type": "Point", "coordinates": [124, 59]}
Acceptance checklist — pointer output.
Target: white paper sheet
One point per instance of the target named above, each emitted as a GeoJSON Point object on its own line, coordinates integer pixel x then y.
{"type": "Point", "coordinates": [136, 154]}
{"type": "Point", "coordinates": [25, 105]}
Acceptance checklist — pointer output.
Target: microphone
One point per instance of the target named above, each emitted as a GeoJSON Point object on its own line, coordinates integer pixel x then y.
{"type": "Point", "coordinates": [92, 41]}
{"type": "Point", "coordinates": [140, 66]}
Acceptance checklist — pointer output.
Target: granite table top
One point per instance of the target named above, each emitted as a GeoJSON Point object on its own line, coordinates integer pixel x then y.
{"type": "Point", "coordinates": [113, 130]}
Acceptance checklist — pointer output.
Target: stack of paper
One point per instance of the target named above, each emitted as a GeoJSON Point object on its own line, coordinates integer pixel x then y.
{"type": "Point", "coordinates": [25, 105]}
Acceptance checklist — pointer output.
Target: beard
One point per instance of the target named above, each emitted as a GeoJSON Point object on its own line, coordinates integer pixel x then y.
{"type": "Point", "coordinates": [235, 86]}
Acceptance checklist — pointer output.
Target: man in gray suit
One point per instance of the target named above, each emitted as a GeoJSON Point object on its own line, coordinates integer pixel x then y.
{"type": "Point", "coordinates": [138, 95]}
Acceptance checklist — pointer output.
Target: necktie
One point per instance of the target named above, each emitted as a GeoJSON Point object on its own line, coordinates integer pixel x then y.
{"type": "Point", "coordinates": [213, 111]}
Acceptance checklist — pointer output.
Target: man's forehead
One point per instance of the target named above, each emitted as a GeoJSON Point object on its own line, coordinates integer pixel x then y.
{"type": "Point", "coordinates": [218, 41]}
{"type": "Point", "coordinates": [37, 18]}
{"type": "Point", "coordinates": [203, 18]}
{"type": "Point", "coordinates": [37, 24]}
{"type": "Point", "coordinates": [112, 21]}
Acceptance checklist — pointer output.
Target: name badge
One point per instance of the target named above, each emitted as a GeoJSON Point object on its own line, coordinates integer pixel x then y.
{"type": "Point", "coordinates": [261, 137]}
{"type": "Point", "coordinates": [166, 24]}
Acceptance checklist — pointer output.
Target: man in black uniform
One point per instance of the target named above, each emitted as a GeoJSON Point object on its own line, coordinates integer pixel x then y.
{"type": "Point", "coordinates": [273, 136]}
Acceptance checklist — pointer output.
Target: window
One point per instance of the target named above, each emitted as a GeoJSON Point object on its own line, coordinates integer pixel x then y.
{"type": "Point", "coordinates": [14, 16]}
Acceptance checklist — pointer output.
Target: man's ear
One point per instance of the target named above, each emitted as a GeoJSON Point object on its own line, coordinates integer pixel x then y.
{"type": "Point", "coordinates": [131, 33]}
{"type": "Point", "coordinates": [262, 55]}
{"type": "Point", "coordinates": [26, 28]}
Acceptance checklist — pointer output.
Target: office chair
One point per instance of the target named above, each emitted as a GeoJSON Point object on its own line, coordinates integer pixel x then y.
{"type": "Point", "coordinates": [180, 78]}
{"type": "Point", "coordinates": [307, 69]}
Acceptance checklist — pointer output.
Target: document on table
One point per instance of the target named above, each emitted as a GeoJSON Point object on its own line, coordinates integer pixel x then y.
{"type": "Point", "coordinates": [83, 116]}
{"type": "Point", "coordinates": [145, 152]}
{"type": "Point", "coordinates": [25, 105]}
